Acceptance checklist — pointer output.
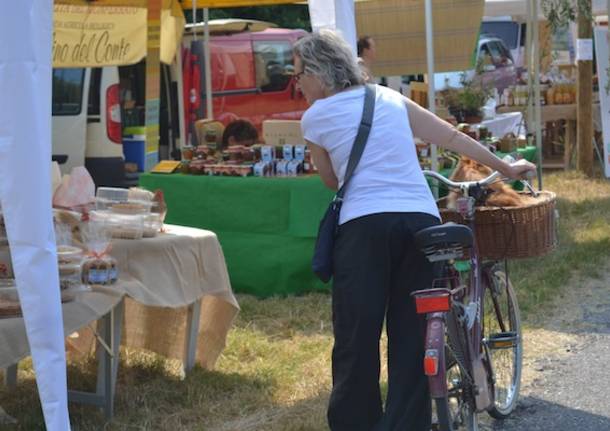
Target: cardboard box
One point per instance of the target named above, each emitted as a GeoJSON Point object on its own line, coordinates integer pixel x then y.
{"type": "Point", "coordinates": [281, 132]}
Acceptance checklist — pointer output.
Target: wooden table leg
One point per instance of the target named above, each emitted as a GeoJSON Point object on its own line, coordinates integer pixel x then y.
{"type": "Point", "coordinates": [570, 141]}
{"type": "Point", "coordinates": [192, 335]}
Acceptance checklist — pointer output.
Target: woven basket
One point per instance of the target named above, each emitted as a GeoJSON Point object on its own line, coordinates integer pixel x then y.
{"type": "Point", "coordinates": [513, 232]}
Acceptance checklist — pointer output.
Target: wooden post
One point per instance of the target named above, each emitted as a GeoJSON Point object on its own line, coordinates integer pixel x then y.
{"type": "Point", "coordinates": [584, 157]}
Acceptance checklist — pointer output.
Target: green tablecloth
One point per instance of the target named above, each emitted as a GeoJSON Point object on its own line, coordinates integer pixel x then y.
{"type": "Point", "coordinates": [266, 226]}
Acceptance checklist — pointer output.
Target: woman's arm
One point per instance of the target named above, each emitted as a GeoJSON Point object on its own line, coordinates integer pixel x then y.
{"type": "Point", "coordinates": [325, 168]}
{"type": "Point", "coordinates": [430, 128]}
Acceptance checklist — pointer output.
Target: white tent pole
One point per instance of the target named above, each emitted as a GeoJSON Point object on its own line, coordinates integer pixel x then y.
{"type": "Point", "coordinates": [431, 90]}
{"type": "Point", "coordinates": [536, 77]}
{"type": "Point", "coordinates": [208, 68]}
{"type": "Point", "coordinates": [528, 56]}
{"type": "Point", "coordinates": [194, 19]}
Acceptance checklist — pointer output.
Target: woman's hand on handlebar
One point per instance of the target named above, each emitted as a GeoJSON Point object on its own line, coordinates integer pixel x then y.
{"type": "Point", "coordinates": [520, 170]}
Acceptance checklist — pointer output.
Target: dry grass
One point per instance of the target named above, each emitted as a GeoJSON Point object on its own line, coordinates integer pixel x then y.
{"type": "Point", "coordinates": [275, 372]}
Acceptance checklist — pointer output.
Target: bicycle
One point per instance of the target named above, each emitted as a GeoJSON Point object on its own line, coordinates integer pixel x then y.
{"type": "Point", "coordinates": [473, 344]}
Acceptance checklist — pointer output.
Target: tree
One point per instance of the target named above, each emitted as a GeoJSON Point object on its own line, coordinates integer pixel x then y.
{"type": "Point", "coordinates": [285, 16]}
{"type": "Point", "coordinates": [560, 13]}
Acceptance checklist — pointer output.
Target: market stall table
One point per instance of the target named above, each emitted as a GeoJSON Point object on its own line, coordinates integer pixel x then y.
{"type": "Point", "coordinates": [104, 305]}
{"type": "Point", "coordinates": [178, 293]}
{"type": "Point", "coordinates": [267, 226]}
{"type": "Point", "coordinates": [504, 123]}
{"type": "Point", "coordinates": [552, 113]}
{"type": "Point", "coordinates": [179, 301]}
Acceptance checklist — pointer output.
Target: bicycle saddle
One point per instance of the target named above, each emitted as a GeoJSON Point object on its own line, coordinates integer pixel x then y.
{"type": "Point", "coordinates": [446, 235]}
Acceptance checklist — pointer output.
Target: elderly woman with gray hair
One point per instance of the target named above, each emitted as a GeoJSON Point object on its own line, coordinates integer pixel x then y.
{"type": "Point", "coordinates": [376, 265]}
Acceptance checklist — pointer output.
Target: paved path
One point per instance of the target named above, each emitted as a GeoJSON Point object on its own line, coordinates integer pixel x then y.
{"type": "Point", "coordinates": [566, 385]}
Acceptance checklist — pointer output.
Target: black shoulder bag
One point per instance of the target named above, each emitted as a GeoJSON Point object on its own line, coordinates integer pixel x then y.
{"type": "Point", "coordinates": [322, 262]}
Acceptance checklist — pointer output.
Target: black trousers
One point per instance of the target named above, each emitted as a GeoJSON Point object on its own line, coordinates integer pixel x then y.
{"type": "Point", "coordinates": [376, 269]}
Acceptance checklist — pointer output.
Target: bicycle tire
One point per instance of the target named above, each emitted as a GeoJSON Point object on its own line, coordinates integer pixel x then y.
{"type": "Point", "coordinates": [506, 362]}
{"type": "Point", "coordinates": [456, 410]}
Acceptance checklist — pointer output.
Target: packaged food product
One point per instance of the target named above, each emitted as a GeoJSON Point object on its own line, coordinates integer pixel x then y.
{"type": "Point", "coordinates": [126, 226]}
{"type": "Point", "coordinates": [9, 299]}
{"type": "Point", "coordinates": [100, 270]}
{"type": "Point", "coordinates": [267, 153]}
{"type": "Point", "coordinates": [99, 267]}
{"type": "Point", "coordinates": [288, 152]}
{"type": "Point", "coordinates": [131, 207]}
{"type": "Point", "coordinates": [299, 152]}
{"type": "Point", "coordinates": [69, 260]}
{"type": "Point", "coordinates": [6, 264]}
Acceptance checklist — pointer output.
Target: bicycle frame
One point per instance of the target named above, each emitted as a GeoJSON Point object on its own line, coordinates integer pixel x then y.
{"type": "Point", "coordinates": [475, 294]}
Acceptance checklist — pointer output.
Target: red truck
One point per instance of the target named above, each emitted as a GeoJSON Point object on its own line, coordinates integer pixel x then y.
{"type": "Point", "coordinates": [252, 74]}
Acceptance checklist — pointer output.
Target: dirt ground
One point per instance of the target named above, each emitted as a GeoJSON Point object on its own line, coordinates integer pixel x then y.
{"type": "Point", "coordinates": [565, 384]}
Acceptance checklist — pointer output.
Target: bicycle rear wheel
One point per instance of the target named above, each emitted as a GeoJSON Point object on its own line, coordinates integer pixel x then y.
{"type": "Point", "coordinates": [456, 411]}
{"type": "Point", "coordinates": [503, 342]}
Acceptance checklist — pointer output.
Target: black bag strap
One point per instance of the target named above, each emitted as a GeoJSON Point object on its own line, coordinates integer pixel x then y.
{"type": "Point", "coordinates": [361, 137]}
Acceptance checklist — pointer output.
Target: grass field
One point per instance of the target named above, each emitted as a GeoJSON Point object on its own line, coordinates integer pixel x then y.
{"type": "Point", "coordinates": [275, 371]}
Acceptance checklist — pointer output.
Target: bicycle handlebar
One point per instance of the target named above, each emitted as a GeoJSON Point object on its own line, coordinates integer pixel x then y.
{"type": "Point", "coordinates": [463, 185]}
{"type": "Point", "coordinates": [466, 185]}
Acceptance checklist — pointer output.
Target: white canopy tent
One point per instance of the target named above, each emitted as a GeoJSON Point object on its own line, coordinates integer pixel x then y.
{"type": "Point", "coordinates": [25, 192]}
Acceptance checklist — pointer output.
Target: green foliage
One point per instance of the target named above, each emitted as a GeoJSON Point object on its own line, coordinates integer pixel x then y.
{"type": "Point", "coordinates": [560, 13]}
{"type": "Point", "coordinates": [284, 16]}
{"type": "Point", "coordinates": [467, 100]}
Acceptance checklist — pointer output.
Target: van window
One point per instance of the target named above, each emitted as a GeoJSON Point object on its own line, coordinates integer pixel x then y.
{"type": "Point", "coordinates": [67, 91]}
{"type": "Point", "coordinates": [508, 31]}
{"type": "Point", "coordinates": [94, 92]}
{"type": "Point", "coordinates": [232, 67]}
{"type": "Point", "coordinates": [501, 56]}
{"type": "Point", "coordinates": [274, 65]}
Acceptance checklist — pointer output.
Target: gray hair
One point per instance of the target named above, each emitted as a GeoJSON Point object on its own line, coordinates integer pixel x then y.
{"type": "Point", "coordinates": [329, 57]}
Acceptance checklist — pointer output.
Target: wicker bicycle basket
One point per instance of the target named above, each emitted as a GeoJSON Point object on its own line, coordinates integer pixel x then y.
{"type": "Point", "coordinates": [513, 232]}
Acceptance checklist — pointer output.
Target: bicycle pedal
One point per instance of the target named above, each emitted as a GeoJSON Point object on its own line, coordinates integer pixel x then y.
{"type": "Point", "coordinates": [503, 340]}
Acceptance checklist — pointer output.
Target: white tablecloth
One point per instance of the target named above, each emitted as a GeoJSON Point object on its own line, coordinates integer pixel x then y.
{"type": "Point", "coordinates": [87, 307]}
{"type": "Point", "coordinates": [505, 123]}
{"type": "Point", "coordinates": [162, 276]}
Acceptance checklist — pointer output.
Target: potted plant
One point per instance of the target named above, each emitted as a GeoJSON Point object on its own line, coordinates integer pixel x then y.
{"type": "Point", "coordinates": [465, 103]}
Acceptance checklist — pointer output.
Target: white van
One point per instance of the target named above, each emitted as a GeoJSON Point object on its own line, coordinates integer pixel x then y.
{"type": "Point", "coordinates": [90, 118]}
{"type": "Point", "coordinates": [86, 126]}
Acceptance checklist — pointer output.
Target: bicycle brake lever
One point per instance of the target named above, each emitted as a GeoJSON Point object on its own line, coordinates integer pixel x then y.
{"type": "Point", "coordinates": [530, 188]}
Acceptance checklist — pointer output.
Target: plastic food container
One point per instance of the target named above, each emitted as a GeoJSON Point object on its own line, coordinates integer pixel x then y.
{"type": "Point", "coordinates": [126, 226]}
{"type": "Point", "coordinates": [69, 259]}
{"type": "Point", "coordinates": [152, 225]}
{"type": "Point", "coordinates": [113, 194]}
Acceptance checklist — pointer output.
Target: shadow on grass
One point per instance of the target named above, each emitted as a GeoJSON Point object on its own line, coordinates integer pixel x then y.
{"type": "Point", "coordinates": [147, 398]}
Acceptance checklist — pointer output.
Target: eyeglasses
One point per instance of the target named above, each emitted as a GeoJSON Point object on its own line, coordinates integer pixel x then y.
{"type": "Point", "coordinates": [298, 76]}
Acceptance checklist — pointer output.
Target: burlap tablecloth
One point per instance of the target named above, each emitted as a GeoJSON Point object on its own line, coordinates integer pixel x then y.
{"type": "Point", "coordinates": [162, 276]}
{"type": "Point", "coordinates": [87, 307]}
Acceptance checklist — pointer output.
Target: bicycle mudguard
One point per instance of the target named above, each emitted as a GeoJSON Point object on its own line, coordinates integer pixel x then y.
{"type": "Point", "coordinates": [481, 394]}
{"type": "Point", "coordinates": [434, 358]}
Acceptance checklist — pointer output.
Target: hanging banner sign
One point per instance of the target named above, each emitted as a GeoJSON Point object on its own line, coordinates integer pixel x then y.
{"type": "Point", "coordinates": [584, 49]}
{"type": "Point", "coordinates": [603, 70]}
{"type": "Point", "coordinates": [95, 36]}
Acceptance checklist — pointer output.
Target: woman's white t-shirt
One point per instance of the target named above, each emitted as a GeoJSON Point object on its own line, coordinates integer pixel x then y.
{"type": "Point", "coordinates": [388, 177]}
